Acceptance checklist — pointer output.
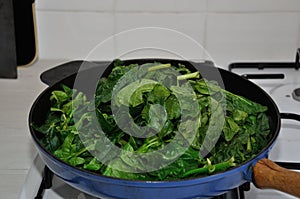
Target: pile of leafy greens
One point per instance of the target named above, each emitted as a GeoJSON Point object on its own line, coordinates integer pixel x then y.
{"type": "Point", "coordinates": [244, 131]}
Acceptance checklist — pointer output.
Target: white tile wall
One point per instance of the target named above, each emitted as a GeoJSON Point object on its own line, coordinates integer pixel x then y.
{"type": "Point", "coordinates": [178, 6]}
{"type": "Point", "coordinates": [123, 5]}
{"type": "Point", "coordinates": [179, 33]}
{"type": "Point", "coordinates": [71, 35]}
{"type": "Point", "coordinates": [252, 36]}
{"type": "Point", "coordinates": [76, 5]}
{"type": "Point", "coordinates": [230, 30]}
{"type": "Point", "coordinates": [253, 6]}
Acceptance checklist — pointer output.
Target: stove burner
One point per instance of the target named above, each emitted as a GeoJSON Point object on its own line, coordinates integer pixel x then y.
{"type": "Point", "coordinates": [286, 96]}
{"type": "Point", "coordinates": [296, 94]}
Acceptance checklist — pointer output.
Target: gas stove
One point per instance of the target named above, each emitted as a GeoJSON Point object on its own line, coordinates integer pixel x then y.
{"type": "Point", "coordinates": [280, 80]}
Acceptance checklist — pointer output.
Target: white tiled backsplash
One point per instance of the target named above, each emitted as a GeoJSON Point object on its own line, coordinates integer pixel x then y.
{"type": "Point", "coordinates": [229, 30]}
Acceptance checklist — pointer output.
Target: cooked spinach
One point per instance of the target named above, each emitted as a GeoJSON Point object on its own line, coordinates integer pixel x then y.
{"type": "Point", "coordinates": [158, 105]}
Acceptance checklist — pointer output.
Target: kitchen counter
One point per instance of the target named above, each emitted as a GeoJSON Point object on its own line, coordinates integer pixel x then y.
{"type": "Point", "coordinates": [17, 150]}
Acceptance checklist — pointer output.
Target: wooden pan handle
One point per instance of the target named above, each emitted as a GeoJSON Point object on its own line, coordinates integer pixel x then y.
{"type": "Point", "coordinates": [267, 174]}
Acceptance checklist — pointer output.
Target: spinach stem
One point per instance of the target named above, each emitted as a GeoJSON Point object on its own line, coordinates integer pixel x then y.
{"type": "Point", "coordinates": [189, 76]}
{"type": "Point", "coordinates": [249, 147]}
{"type": "Point", "coordinates": [208, 169]}
{"type": "Point", "coordinates": [75, 154]}
{"type": "Point", "coordinates": [144, 148]}
{"type": "Point", "coordinates": [80, 152]}
{"type": "Point", "coordinates": [157, 67]}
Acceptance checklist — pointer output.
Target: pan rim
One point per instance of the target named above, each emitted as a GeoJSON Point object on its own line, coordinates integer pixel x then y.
{"type": "Point", "coordinates": [175, 182]}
